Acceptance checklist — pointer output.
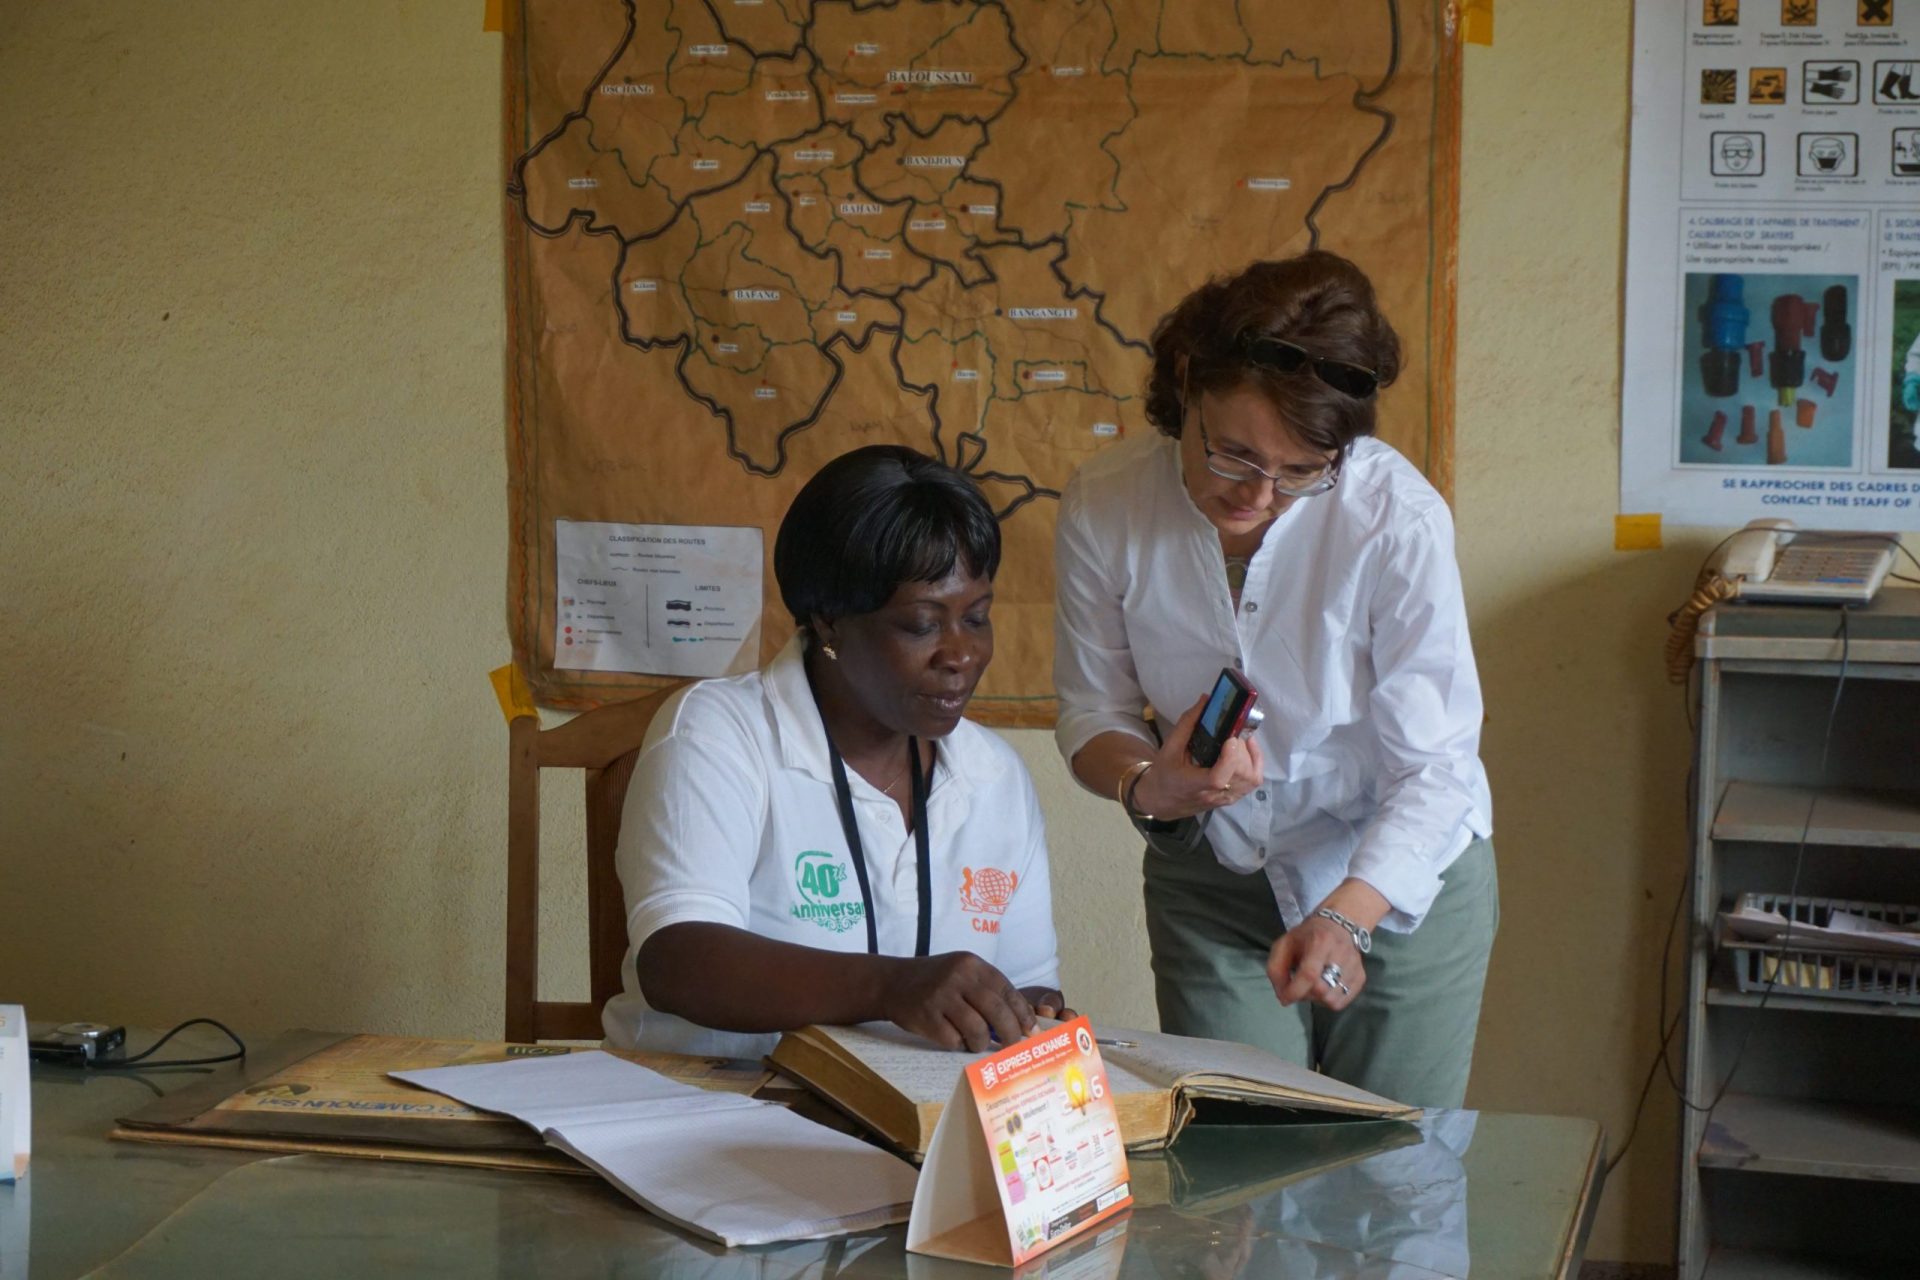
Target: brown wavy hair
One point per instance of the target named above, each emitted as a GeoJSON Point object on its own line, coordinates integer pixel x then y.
{"type": "Point", "coordinates": [1319, 301]}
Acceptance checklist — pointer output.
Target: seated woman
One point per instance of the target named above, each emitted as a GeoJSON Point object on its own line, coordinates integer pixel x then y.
{"type": "Point", "coordinates": [827, 840]}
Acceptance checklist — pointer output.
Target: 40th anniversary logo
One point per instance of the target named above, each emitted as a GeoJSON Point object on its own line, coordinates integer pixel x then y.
{"type": "Point", "coordinates": [818, 878]}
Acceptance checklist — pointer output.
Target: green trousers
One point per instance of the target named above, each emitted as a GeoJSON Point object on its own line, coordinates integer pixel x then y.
{"type": "Point", "coordinates": [1408, 1036]}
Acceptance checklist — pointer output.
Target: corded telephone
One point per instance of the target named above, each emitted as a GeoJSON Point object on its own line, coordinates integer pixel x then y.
{"type": "Point", "coordinates": [1772, 561]}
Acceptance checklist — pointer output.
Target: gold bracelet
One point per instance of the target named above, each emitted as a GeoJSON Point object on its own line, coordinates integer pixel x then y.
{"type": "Point", "coordinates": [1129, 781]}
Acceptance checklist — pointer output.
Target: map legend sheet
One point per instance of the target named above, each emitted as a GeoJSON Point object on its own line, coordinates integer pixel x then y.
{"type": "Point", "coordinates": [681, 600]}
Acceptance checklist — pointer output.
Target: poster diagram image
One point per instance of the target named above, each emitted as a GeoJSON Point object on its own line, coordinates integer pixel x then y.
{"type": "Point", "coordinates": [1829, 155]}
{"type": "Point", "coordinates": [1769, 373]}
{"type": "Point", "coordinates": [1799, 13]}
{"type": "Point", "coordinates": [1893, 84]}
{"type": "Point", "coordinates": [1906, 153]}
{"type": "Point", "coordinates": [1719, 13]}
{"type": "Point", "coordinates": [1873, 13]}
{"type": "Point", "coordinates": [1830, 84]}
{"type": "Point", "coordinates": [1767, 86]}
{"type": "Point", "coordinates": [1739, 155]}
{"type": "Point", "coordinates": [1903, 450]}
{"type": "Point", "coordinates": [1719, 87]}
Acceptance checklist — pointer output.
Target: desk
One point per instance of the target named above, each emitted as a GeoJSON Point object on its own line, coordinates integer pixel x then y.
{"type": "Point", "coordinates": [1499, 1197]}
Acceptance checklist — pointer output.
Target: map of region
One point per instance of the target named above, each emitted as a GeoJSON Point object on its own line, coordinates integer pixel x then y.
{"type": "Point", "coordinates": [744, 236]}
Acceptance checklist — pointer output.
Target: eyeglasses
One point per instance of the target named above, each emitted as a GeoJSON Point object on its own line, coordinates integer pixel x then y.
{"type": "Point", "coordinates": [1290, 482]}
{"type": "Point", "coordinates": [1284, 357]}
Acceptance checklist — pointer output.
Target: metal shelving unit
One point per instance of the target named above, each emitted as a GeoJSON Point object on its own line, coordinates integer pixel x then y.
{"type": "Point", "coordinates": [1809, 1166]}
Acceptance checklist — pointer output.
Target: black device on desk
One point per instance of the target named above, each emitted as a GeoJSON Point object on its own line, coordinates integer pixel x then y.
{"type": "Point", "coordinates": [76, 1044]}
{"type": "Point", "coordinates": [1230, 713]}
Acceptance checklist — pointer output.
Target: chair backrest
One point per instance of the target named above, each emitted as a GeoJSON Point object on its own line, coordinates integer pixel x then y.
{"type": "Point", "coordinates": [604, 743]}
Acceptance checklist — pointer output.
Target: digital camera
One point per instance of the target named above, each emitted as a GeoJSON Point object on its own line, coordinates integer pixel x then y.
{"type": "Point", "coordinates": [77, 1044]}
{"type": "Point", "coordinates": [1230, 713]}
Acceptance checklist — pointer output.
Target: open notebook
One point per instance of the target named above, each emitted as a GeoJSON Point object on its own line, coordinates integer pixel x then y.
{"type": "Point", "coordinates": [896, 1083]}
{"type": "Point", "coordinates": [729, 1168]}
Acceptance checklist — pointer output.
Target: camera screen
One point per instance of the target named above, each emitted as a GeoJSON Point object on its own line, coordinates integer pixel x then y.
{"type": "Point", "coordinates": [1213, 719]}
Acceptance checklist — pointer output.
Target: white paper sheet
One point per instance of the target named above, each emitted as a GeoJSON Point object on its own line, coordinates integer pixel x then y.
{"type": "Point", "coordinates": [1844, 931]}
{"type": "Point", "coordinates": [729, 1168]}
{"type": "Point", "coordinates": [663, 599]}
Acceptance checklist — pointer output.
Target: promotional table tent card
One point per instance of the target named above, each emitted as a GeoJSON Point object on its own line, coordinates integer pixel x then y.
{"type": "Point", "coordinates": [1026, 1156]}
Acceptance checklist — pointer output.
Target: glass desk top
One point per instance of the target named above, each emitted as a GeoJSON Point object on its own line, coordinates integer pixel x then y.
{"type": "Point", "coordinates": [1480, 1194]}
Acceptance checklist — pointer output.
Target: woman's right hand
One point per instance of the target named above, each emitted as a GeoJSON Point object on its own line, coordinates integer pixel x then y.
{"type": "Point", "coordinates": [1176, 787]}
{"type": "Point", "coordinates": [956, 1000]}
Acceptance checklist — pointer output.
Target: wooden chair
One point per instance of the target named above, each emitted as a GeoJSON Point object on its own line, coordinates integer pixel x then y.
{"type": "Point", "coordinates": [605, 743]}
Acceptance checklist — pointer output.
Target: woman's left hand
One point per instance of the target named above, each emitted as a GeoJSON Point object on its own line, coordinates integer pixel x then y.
{"type": "Point", "coordinates": [1310, 953]}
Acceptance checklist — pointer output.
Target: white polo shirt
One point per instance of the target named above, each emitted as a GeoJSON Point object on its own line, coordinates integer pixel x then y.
{"type": "Point", "coordinates": [1352, 626]}
{"type": "Point", "coordinates": [731, 819]}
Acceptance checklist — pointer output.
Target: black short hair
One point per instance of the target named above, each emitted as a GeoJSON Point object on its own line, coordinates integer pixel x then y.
{"type": "Point", "coordinates": [872, 519]}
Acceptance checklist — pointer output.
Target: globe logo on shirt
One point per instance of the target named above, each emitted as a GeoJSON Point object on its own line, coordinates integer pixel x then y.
{"type": "Point", "coordinates": [988, 889]}
{"type": "Point", "coordinates": [818, 878]}
{"type": "Point", "coordinates": [984, 895]}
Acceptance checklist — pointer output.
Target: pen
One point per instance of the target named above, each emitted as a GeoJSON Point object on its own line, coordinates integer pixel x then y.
{"type": "Point", "coordinates": [1105, 1042]}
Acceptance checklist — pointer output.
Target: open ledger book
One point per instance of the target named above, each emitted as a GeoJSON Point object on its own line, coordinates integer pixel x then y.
{"type": "Point", "coordinates": [896, 1084]}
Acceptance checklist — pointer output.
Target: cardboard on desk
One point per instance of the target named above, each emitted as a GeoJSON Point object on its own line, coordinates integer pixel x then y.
{"type": "Point", "coordinates": [327, 1093]}
{"type": "Point", "coordinates": [897, 1084]}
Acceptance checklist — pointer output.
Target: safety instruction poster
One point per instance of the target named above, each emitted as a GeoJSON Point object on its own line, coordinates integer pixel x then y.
{"type": "Point", "coordinates": [1772, 357]}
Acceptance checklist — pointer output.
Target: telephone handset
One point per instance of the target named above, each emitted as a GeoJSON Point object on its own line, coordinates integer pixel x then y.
{"type": "Point", "coordinates": [1772, 561]}
{"type": "Point", "coordinates": [1751, 552]}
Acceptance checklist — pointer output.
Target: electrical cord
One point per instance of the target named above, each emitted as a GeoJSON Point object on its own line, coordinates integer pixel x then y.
{"type": "Point", "coordinates": [1709, 589]}
{"type": "Point", "coordinates": [1662, 1058]}
{"type": "Point", "coordinates": [1894, 542]}
{"type": "Point", "coordinates": [1793, 886]}
{"type": "Point", "coordinates": [1793, 899]}
{"type": "Point", "coordinates": [138, 1062]}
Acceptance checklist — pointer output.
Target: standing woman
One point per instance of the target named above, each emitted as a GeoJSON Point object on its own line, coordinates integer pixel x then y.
{"type": "Point", "coordinates": [1326, 890]}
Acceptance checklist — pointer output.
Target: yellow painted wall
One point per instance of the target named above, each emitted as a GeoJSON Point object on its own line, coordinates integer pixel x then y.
{"type": "Point", "coordinates": [251, 579]}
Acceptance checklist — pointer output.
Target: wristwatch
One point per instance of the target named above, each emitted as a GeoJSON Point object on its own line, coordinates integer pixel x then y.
{"type": "Point", "coordinates": [1362, 939]}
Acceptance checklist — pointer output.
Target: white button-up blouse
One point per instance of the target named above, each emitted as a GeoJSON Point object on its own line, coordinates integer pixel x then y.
{"type": "Point", "coordinates": [1351, 625]}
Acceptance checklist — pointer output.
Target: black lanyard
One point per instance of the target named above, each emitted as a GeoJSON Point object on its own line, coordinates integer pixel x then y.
{"type": "Point", "coordinates": [917, 815]}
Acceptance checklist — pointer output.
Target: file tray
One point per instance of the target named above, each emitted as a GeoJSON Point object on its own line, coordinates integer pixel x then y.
{"type": "Point", "coordinates": [1824, 970]}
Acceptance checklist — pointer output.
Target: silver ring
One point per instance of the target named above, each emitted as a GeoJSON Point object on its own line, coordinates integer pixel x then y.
{"type": "Point", "coordinates": [1331, 975]}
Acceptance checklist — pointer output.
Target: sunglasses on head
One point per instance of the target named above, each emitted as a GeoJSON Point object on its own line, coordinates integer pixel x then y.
{"type": "Point", "coordinates": [1284, 357]}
